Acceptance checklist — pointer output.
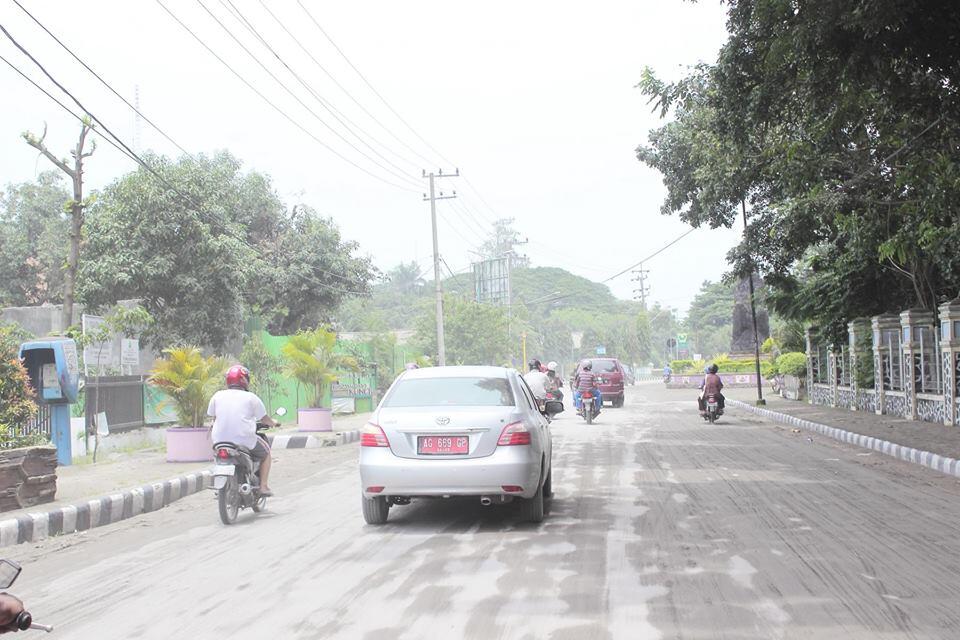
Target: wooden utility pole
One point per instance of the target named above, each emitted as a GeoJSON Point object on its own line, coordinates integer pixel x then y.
{"type": "Point", "coordinates": [76, 206]}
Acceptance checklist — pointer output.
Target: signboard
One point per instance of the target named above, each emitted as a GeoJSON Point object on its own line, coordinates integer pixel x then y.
{"type": "Point", "coordinates": [96, 354]}
{"type": "Point", "coordinates": [70, 355]}
{"type": "Point", "coordinates": [601, 350]}
{"type": "Point", "coordinates": [698, 356]}
{"type": "Point", "coordinates": [492, 281]}
{"type": "Point", "coordinates": [129, 352]}
{"type": "Point", "coordinates": [682, 340]}
{"type": "Point", "coordinates": [577, 337]}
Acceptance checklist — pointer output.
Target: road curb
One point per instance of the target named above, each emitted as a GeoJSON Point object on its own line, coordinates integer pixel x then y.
{"type": "Point", "coordinates": [943, 464]}
{"type": "Point", "coordinates": [74, 518]}
{"type": "Point", "coordinates": [298, 441]}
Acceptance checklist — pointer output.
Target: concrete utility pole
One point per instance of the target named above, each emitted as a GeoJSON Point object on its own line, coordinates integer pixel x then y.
{"type": "Point", "coordinates": [441, 347]}
{"type": "Point", "coordinates": [76, 207]}
{"type": "Point", "coordinates": [643, 290]}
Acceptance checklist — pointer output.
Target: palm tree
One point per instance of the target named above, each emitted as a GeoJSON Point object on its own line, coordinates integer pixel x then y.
{"type": "Point", "coordinates": [189, 379]}
{"type": "Point", "coordinates": [312, 359]}
{"type": "Point", "coordinates": [405, 277]}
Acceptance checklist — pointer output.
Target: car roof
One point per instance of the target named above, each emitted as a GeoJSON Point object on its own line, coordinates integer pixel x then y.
{"type": "Point", "coordinates": [459, 371]}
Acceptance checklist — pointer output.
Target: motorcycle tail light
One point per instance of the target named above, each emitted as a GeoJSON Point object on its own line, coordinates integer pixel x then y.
{"type": "Point", "coordinates": [223, 454]}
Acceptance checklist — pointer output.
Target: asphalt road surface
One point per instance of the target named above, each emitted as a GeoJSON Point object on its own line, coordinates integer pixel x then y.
{"type": "Point", "coordinates": [662, 527]}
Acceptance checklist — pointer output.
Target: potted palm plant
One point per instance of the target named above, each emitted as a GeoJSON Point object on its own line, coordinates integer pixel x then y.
{"type": "Point", "coordinates": [312, 359]}
{"type": "Point", "coordinates": [188, 379]}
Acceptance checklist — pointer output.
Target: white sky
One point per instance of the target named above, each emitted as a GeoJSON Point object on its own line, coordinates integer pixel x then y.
{"type": "Point", "coordinates": [533, 101]}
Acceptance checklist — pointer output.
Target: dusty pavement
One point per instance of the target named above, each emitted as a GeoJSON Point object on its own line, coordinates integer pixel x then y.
{"type": "Point", "coordinates": [662, 527]}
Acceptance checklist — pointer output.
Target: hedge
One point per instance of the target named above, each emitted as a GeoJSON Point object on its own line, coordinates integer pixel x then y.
{"type": "Point", "coordinates": [793, 363]}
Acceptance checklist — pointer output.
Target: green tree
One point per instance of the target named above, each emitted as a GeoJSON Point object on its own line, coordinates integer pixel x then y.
{"type": "Point", "coordinates": [709, 320]}
{"type": "Point", "coordinates": [474, 333]}
{"type": "Point", "coordinates": [33, 225]}
{"type": "Point", "coordinates": [17, 406]}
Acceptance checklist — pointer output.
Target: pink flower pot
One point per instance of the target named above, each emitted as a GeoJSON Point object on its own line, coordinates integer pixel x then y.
{"type": "Point", "coordinates": [314, 419]}
{"type": "Point", "coordinates": [189, 444]}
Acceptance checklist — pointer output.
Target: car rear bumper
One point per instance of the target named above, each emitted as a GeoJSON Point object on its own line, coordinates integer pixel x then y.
{"type": "Point", "coordinates": [609, 391]}
{"type": "Point", "coordinates": [517, 465]}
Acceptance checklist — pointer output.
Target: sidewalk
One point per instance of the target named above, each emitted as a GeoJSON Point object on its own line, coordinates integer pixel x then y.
{"type": "Point", "coordinates": [927, 444]}
{"type": "Point", "coordinates": [118, 471]}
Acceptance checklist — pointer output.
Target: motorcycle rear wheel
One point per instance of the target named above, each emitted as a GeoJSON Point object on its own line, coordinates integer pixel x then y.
{"type": "Point", "coordinates": [229, 501]}
{"type": "Point", "coordinates": [588, 413]}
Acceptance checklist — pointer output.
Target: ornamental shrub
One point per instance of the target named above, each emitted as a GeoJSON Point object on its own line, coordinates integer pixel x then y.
{"type": "Point", "coordinates": [17, 406]}
{"type": "Point", "coordinates": [793, 363]}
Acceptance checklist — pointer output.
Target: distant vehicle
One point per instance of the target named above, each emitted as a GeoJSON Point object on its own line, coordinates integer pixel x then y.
{"type": "Point", "coordinates": [457, 431]}
{"type": "Point", "coordinates": [610, 379]}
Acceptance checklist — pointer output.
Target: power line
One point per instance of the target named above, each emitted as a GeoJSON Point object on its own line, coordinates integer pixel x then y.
{"type": "Point", "coordinates": [655, 253]}
{"type": "Point", "coordinates": [293, 95]}
{"type": "Point", "coordinates": [98, 77]}
{"type": "Point", "coordinates": [283, 113]}
{"type": "Point", "coordinates": [132, 154]}
{"type": "Point", "coordinates": [340, 117]}
{"type": "Point", "coordinates": [65, 107]}
{"type": "Point", "coordinates": [370, 86]}
{"type": "Point", "coordinates": [342, 88]}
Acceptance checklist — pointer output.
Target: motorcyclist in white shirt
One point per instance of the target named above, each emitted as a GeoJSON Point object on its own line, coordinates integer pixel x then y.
{"type": "Point", "coordinates": [537, 381]}
{"type": "Point", "coordinates": [236, 412]}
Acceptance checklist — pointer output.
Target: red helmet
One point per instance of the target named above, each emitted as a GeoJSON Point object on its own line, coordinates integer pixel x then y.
{"type": "Point", "coordinates": [238, 376]}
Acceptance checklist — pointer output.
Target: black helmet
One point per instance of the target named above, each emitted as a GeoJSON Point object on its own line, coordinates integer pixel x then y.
{"type": "Point", "coordinates": [534, 365]}
{"type": "Point", "coordinates": [714, 368]}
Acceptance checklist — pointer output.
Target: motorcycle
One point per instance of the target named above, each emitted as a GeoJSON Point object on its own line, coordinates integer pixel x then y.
{"type": "Point", "coordinates": [9, 572]}
{"type": "Point", "coordinates": [588, 407]}
{"type": "Point", "coordinates": [713, 410]}
{"type": "Point", "coordinates": [235, 480]}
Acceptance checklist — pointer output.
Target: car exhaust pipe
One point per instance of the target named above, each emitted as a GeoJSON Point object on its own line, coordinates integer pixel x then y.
{"type": "Point", "coordinates": [245, 489]}
{"type": "Point", "coordinates": [486, 501]}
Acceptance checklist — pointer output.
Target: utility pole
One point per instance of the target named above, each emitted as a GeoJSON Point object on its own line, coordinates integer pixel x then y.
{"type": "Point", "coordinates": [76, 207]}
{"type": "Point", "coordinates": [753, 311]}
{"type": "Point", "coordinates": [643, 290]}
{"type": "Point", "coordinates": [441, 347]}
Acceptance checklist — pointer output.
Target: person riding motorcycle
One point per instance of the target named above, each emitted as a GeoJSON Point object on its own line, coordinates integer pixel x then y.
{"type": "Point", "coordinates": [554, 383]}
{"type": "Point", "coordinates": [236, 412]}
{"type": "Point", "coordinates": [536, 380]}
{"type": "Point", "coordinates": [712, 385]}
{"type": "Point", "coordinates": [587, 381]}
{"type": "Point", "coordinates": [10, 607]}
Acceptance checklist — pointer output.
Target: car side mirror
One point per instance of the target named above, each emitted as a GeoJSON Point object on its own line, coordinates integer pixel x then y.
{"type": "Point", "coordinates": [553, 407]}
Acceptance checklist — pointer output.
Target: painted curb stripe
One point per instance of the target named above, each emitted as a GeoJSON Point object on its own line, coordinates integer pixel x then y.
{"type": "Point", "coordinates": [943, 464]}
{"type": "Point", "coordinates": [33, 527]}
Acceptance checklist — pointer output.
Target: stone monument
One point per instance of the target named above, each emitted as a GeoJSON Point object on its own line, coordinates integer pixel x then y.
{"type": "Point", "coordinates": [742, 342]}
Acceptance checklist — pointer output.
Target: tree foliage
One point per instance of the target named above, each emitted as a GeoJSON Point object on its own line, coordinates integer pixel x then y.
{"type": "Point", "coordinates": [709, 320]}
{"type": "Point", "coordinates": [17, 406]}
{"type": "Point", "coordinates": [474, 333]}
{"type": "Point", "coordinates": [221, 244]}
{"type": "Point", "coordinates": [837, 123]}
{"type": "Point", "coordinates": [33, 229]}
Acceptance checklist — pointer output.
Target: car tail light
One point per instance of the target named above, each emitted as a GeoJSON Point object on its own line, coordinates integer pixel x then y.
{"type": "Point", "coordinates": [223, 454]}
{"type": "Point", "coordinates": [373, 436]}
{"type": "Point", "coordinates": [374, 489]}
{"type": "Point", "coordinates": [513, 434]}
{"type": "Point", "coordinates": [511, 488]}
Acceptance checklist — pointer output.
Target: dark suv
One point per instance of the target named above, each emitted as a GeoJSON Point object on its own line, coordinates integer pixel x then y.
{"type": "Point", "coordinates": [610, 377]}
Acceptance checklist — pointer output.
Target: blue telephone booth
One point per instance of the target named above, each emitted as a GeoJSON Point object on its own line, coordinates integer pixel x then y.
{"type": "Point", "coordinates": [54, 372]}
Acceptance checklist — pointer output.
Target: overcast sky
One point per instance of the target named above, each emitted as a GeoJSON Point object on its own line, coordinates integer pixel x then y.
{"type": "Point", "coordinates": [534, 102]}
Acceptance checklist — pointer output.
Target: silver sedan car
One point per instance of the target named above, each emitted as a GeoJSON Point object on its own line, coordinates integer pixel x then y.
{"type": "Point", "coordinates": [457, 431]}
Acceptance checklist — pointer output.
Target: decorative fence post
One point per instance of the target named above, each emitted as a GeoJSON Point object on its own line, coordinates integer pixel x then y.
{"type": "Point", "coordinates": [918, 343]}
{"type": "Point", "coordinates": [854, 329]}
{"type": "Point", "coordinates": [950, 360]}
{"type": "Point", "coordinates": [886, 374]}
{"type": "Point", "coordinates": [832, 372]}
{"type": "Point", "coordinates": [808, 336]}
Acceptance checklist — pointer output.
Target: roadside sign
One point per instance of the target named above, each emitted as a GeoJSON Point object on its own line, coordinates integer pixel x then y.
{"type": "Point", "coordinates": [698, 356]}
{"type": "Point", "coordinates": [95, 354]}
{"type": "Point", "coordinates": [577, 337]}
{"type": "Point", "coordinates": [129, 352]}
{"type": "Point", "coordinates": [682, 340]}
{"type": "Point", "coordinates": [601, 350]}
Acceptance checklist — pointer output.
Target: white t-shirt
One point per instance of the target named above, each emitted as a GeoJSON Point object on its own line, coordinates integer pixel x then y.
{"type": "Point", "coordinates": [537, 381]}
{"type": "Point", "coordinates": [235, 413]}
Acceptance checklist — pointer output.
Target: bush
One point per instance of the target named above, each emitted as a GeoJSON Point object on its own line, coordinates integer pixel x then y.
{"type": "Point", "coordinates": [189, 379]}
{"type": "Point", "coordinates": [793, 363]}
{"type": "Point", "coordinates": [16, 396]}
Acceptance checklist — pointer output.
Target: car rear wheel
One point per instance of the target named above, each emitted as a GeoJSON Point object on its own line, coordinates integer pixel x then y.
{"type": "Point", "coordinates": [375, 510]}
{"type": "Point", "coordinates": [531, 509]}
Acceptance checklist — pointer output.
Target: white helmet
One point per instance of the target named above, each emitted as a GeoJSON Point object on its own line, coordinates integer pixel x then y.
{"type": "Point", "coordinates": [551, 366]}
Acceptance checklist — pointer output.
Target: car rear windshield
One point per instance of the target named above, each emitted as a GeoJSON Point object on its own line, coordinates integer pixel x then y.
{"type": "Point", "coordinates": [604, 366]}
{"type": "Point", "coordinates": [451, 392]}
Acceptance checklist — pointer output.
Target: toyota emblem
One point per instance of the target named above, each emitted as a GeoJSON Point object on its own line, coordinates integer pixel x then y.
{"type": "Point", "coordinates": [442, 420]}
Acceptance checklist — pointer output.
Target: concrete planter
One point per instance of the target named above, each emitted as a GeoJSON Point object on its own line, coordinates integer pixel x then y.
{"type": "Point", "coordinates": [794, 388]}
{"type": "Point", "coordinates": [314, 419]}
{"type": "Point", "coordinates": [189, 444]}
{"type": "Point", "coordinates": [28, 477]}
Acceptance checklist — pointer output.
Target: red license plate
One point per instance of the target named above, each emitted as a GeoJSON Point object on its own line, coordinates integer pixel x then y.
{"type": "Point", "coordinates": [443, 445]}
